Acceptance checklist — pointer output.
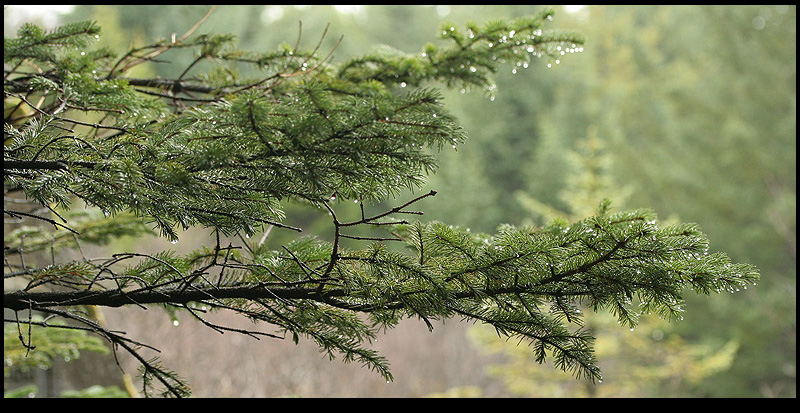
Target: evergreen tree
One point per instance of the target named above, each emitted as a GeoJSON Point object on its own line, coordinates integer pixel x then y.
{"type": "Point", "coordinates": [92, 153]}
{"type": "Point", "coordinates": [703, 127]}
{"type": "Point", "coordinates": [655, 362]}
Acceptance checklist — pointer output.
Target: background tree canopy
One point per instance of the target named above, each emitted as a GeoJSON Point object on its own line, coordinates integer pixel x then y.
{"type": "Point", "coordinates": [688, 110]}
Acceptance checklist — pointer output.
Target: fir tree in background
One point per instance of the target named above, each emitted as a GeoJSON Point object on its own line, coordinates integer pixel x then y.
{"type": "Point", "coordinates": [92, 152]}
{"type": "Point", "coordinates": [654, 362]}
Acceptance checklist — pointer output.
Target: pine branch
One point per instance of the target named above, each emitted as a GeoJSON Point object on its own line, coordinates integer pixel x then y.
{"type": "Point", "coordinates": [225, 153]}
{"type": "Point", "coordinates": [503, 281]}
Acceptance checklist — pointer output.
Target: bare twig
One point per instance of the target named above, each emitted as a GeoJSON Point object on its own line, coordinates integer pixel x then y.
{"type": "Point", "coordinates": [161, 49]}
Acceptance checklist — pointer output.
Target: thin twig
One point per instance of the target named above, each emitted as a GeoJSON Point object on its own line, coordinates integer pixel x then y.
{"type": "Point", "coordinates": [162, 49]}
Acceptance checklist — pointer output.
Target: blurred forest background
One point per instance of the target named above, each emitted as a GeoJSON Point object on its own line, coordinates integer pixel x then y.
{"type": "Point", "coordinates": [689, 110]}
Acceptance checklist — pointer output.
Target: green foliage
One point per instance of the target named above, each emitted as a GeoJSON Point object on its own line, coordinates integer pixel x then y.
{"type": "Point", "coordinates": [93, 226]}
{"type": "Point", "coordinates": [44, 341]}
{"type": "Point", "coordinates": [224, 152]}
{"type": "Point", "coordinates": [33, 42]}
{"type": "Point", "coordinates": [87, 393]}
{"type": "Point", "coordinates": [701, 127]}
{"type": "Point", "coordinates": [474, 56]}
{"type": "Point", "coordinates": [653, 362]}
{"type": "Point", "coordinates": [96, 392]}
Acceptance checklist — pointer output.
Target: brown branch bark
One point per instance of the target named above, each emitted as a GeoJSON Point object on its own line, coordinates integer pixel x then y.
{"type": "Point", "coordinates": [21, 300]}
